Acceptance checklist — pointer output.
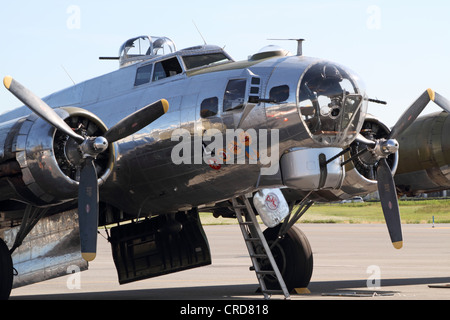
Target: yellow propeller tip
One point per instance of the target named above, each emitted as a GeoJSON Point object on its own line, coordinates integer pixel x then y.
{"type": "Point", "coordinates": [88, 256]}
{"type": "Point", "coordinates": [165, 104]}
{"type": "Point", "coordinates": [431, 94]}
{"type": "Point", "coordinates": [7, 81]}
{"type": "Point", "coordinates": [398, 244]}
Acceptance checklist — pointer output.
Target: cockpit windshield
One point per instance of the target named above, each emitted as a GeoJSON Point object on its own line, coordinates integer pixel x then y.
{"type": "Point", "coordinates": [330, 104]}
{"type": "Point", "coordinates": [202, 60]}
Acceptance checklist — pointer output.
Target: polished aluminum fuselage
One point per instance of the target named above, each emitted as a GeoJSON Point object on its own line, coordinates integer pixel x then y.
{"type": "Point", "coordinates": [144, 179]}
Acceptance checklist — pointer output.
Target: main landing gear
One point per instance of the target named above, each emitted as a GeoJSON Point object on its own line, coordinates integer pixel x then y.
{"type": "Point", "coordinates": [293, 256]}
{"type": "Point", "coordinates": [281, 256]}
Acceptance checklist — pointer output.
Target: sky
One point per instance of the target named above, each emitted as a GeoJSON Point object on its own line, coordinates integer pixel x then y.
{"type": "Point", "coordinates": [399, 48]}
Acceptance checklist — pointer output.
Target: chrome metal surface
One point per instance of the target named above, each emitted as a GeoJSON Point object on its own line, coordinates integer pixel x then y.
{"type": "Point", "coordinates": [49, 160]}
{"type": "Point", "coordinates": [50, 250]}
{"type": "Point", "coordinates": [302, 170]}
{"type": "Point", "coordinates": [384, 148]}
{"type": "Point", "coordinates": [144, 177]}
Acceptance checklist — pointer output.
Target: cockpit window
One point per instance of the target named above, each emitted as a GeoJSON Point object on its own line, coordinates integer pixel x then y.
{"type": "Point", "coordinates": [209, 107]}
{"type": "Point", "coordinates": [330, 103]}
{"type": "Point", "coordinates": [234, 94]}
{"type": "Point", "coordinates": [202, 60]}
{"type": "Point", "coordinates": [279, 94]}
{"type": "Point", "coordinates": [166, 68]}
{"type": "Point", "coordinates": [143, 75]}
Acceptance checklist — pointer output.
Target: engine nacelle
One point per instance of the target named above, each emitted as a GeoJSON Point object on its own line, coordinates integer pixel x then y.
{"type": "Point", "coordinates": [360, 173]}
{"type": "Point", "coordinates": [50, 160]}
{"type": "Point", "coordinates": [424, 163]}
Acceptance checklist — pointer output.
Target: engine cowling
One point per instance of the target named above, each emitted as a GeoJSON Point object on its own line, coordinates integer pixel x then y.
{"type": "Point", "coordinates": [360, 173]}
{"type": "Point", "coordinates": [50, 160]}
{"type": "Point", "coordinates": [424, 163]}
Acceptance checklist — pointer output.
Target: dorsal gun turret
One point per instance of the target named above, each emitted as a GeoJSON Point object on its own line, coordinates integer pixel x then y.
{"type": "Point", "coordinates": [143, 48]}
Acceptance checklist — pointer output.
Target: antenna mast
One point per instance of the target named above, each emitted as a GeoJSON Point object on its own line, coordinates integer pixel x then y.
{"type": "Point", "coordinates": [68, 74]}
{"type": "Point", "coordinates": [299, 44]}
{"type": "Point", "coordinates": [199, 31]}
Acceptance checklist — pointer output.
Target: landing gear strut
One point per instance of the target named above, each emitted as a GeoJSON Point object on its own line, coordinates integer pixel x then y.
{"type": "Point", "coordinates": [291, 249]}
{"type": "Point", "coordinates": [6, 271]}
{"type": "Point", "coordinates": [281, 256]}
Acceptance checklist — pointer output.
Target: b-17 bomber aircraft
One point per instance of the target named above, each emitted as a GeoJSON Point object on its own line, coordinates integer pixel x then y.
{"type": "Point", "coordinates": [173, 132]}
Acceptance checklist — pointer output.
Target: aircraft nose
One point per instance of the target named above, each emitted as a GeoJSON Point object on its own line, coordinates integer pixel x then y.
{"type": "Point", "coordinates": [331, 103]}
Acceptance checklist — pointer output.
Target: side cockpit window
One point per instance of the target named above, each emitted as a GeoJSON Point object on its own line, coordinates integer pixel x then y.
{"type": "Point", "coordinates": [167, 68]}
{"type": "Point", "coordinates": [279, 94]}
{"type": "Point", "coordinates": [209, 107]}
{"type": "Point", "coordinates": [143, 75]}
{"type": "Point", "coordinates": [234, 94]}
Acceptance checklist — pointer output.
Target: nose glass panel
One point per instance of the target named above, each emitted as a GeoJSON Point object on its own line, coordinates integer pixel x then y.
{"type": "Point", "coordinates": [330, 103]}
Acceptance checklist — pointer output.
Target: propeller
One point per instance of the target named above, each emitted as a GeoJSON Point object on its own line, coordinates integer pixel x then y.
{"type": "Point", "coordinates": [416, 108]}
{"type": "Point", "coordinates": [90, 148]}
{"type": "Point", "coordinates": [389, 203]}
{"type": "Point", "coordinates": [382, 148]}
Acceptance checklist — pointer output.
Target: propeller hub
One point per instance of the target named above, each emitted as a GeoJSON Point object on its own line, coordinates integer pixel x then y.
{"type": "Point", "coordinates": [385, 148]}
{"type": "Point", "coordinates": [100, 144]}
{"type": "Point", "coordinates": [390, 146]}
{"type": "Point", "coordinates": [93, 146]}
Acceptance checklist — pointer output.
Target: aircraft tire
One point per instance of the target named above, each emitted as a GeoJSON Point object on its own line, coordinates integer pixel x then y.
{"type": "Point", "coordinates": [6, 271]}
{"type": "Point", "coordinates": [294, 258]}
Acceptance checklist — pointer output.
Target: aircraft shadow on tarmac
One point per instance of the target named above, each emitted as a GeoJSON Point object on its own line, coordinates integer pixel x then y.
{"type": "Point", "coordinates": [238, 292]}
{"type": "Point", "coordinates": [228, 292]}
{"type": "Point", "coordinates": [348, 286]}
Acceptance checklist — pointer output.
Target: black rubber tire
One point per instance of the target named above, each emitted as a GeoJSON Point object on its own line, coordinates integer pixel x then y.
{"type": "Point", "coordinates": [6, 271]}
{"type": "Point", "coordinates": [294, 258]}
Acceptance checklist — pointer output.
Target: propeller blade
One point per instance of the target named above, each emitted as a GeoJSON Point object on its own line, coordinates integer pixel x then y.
{"type": "Point", "coordinates": [88, 210]}
{"type": "Point", "coordinates": [442, 102]}
{"type": "Point", "coordinates": [137, 120]}
{"type": "Point", "coordinates": [411, 113]}
{"type": "Point", "coordinates": [416, 108]}
{"type": "Point", "coordinates": [39, 107]}
{"type": "Point", "coordinates": [389, 203]}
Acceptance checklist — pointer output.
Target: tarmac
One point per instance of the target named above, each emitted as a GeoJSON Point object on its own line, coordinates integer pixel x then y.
{"type": "Point", "coordinates": [351, 262]}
